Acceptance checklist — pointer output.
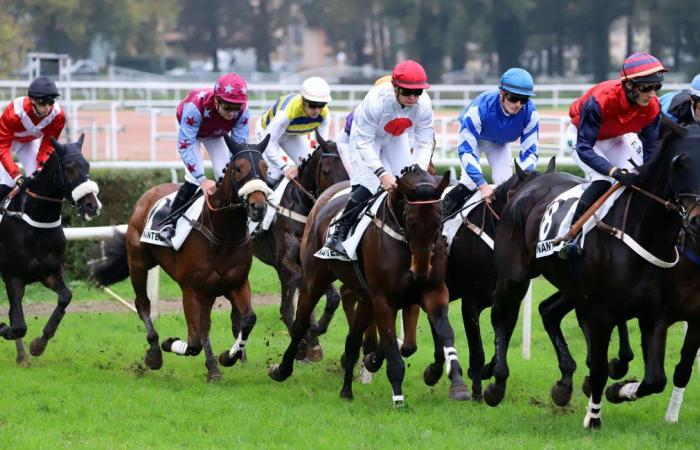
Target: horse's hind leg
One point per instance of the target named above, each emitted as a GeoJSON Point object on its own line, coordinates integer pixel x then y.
{"type": "Point", "coordinates": [683, 371]}
{"type": "Point", "coordinates": [363, 317]}
{"type": "Point", "coordinates": [139, 279]}
{"type": "Point", "coordinates": [18, 327]}
{"type": "Point", "coordinates": [470, 316]}
{"type": "Point", "coordinates": [56, 283]}
{"type": "Point", "coordinates": [240, 301]}
{"type": "Point", "coordinates": [552, 310]}
{"type": "Point", "coordinates": [332, 303]}
{"type": "Point", "coordinates": [409, 316]}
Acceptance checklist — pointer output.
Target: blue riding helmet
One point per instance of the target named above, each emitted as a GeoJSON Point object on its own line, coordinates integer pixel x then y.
{"type": "Point", "coordinates": [517, 81]}
{"type": "Point", "coordinates": [695, 86]}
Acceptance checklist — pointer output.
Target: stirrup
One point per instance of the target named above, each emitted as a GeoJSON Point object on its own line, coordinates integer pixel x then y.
{"type": "Point", "coordinates": [572, 249]}
{"type": "Point", "coordinates": [167, 233]}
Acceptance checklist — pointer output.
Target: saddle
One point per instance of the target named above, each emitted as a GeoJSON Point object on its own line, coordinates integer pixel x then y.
{"type": "Point", "coordinates": [160, 211]}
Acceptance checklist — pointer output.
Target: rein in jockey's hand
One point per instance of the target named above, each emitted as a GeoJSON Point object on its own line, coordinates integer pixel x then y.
{"type": "Point", "coordinates": [486, 192]}
{"type": "Point", "coordinates": [208, 187]}
{"type": "Point", "coordinates": [388, 182]}
{"type": "Point", "coordinates": [291, 172]}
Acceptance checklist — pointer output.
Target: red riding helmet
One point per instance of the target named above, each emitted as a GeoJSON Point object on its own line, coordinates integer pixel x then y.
{"type": "Point", "coordinates": [410, 75]}
{"type": "Point", "coordinates": [231, 88]}
{"type": "Point", "coordinates": [642, 67]}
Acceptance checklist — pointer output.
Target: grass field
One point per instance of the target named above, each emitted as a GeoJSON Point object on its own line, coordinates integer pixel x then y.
{"type": "Point", "coordinates": [91, 390]}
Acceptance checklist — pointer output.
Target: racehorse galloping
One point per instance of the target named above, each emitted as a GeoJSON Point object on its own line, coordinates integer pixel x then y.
{"type": "Point", "coordinates": [611, 283]}
{"type": "Point", "coordinates": [214, 260]}
{"type": "Point", "coordinates": [279, 246]}
{"type": "Point", "coordinates": [32, 242]}
{"type": "Point", "coordinates": [398, 268]}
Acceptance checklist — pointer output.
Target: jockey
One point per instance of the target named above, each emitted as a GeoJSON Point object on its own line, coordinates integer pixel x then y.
{"type": "Point", "coordinates": [683, 107]}
{"type": "Point", "coordinates": [493, 120]}
{"type": "Point", "coordinates": [204, 116]}
{"type": "Point", "coordinates": [26, 128]}
{"type": "Point", "coordinates": [607, 124]}
{"type": "Point", "coordinates": [288, 122]}
{"type": "Point", "coordinates": [380, 142]}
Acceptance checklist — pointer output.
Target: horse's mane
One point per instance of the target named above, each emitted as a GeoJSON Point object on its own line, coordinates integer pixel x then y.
{"type": "Point", "coordinates": [670, 131]}
{"type": "Point", "coordinates": [306, 161]}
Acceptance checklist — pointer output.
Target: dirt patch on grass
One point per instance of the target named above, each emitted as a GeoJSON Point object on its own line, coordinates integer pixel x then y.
{"type": "Point", "coordinates": [104, 306]}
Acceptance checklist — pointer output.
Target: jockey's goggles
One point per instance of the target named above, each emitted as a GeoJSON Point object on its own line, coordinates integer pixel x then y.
{"type": "Point", "coordinates": [43, 101]}
{"type": "Point", "coordinates": [315, 105]}
{"type": "Point", "coordinates": [515, 98]}
{"type": "Point", "coordinates": [647, 87]}
{"type": "Point", "coordinates": [410, 92]}
{"type": "Point", "coordinates": [229, 107]}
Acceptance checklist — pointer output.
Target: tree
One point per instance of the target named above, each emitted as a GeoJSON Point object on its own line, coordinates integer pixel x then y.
{"type": "Point", "coordinates": [15, 41]}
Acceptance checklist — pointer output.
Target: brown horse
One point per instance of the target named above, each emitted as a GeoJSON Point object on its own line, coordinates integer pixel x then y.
{"type": "Point", "coordinates": [279, 246]}
{"type": "Point", "coordinates": [401, 261]}
{"type": "Point", "coordinates": [214, 260]}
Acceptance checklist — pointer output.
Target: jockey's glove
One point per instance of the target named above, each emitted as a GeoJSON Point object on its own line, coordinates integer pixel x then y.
{"type": "Point", "coordinates": [19, 181]}
{"type": "Point", "coordinates": [624, 176]}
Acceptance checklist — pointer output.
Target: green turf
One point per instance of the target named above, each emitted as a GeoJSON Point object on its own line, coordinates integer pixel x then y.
{"type": "Point", "coordinates": [91, 390]}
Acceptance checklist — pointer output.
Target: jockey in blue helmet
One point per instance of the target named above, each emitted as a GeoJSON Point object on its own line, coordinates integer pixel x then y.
{"type": "Point", "coordinates": [683, 107]}
{"type": "Point", "coordinates": [488, 125]}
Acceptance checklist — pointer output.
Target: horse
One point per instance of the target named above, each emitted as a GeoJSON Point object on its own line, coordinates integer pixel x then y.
{"type": "Point", "coordinates": [32, 242]}
{"type": "Point", "coordinates": [603, 297]}
{"type": "Point", "coordinates": [401, 261]}
{"type": "Point", "coordinates": [279, 246]}
{"type": "Point", "coordinates": [214, 260]}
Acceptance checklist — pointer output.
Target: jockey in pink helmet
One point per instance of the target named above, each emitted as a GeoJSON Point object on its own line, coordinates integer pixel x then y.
{"type": "Point", "coordinates": [204, 117]}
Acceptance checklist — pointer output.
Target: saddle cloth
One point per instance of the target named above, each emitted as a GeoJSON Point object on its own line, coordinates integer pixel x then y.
{"type": "Point", "coordinates": [556, 220]}
{"type": "Point", "coordinates": [159, 211]}
{"type": "Point", "coordinates": [273, 200]}
{"type": "Point", "coordinates": [452, 226]}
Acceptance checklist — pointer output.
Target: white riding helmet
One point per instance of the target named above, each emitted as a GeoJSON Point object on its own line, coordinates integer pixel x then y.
{"type": "Point", "coordinates": [316, 89]}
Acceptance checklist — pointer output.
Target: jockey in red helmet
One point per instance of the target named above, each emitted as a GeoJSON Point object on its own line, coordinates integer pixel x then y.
{"type": "Point", "coordinates": [613, 122]}
{"type": "Point", "coordinates": [204, 116]}
{"type": "Point", "coordinates": [26, 128]}
{"type": "Point", "coordinates": [379, 142]}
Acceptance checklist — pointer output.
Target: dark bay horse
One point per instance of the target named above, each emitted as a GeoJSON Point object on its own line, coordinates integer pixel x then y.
{"type": "Point", "coordinates": [402, 260]}
{"type": "Point", "coordinates": [611, 283]}
{"type": "Point", "coordinates": [214, 260]}
{"type": "Point", "coordinates": [32, 242]}
{"type": "Point", "coordinates": [279, 246]}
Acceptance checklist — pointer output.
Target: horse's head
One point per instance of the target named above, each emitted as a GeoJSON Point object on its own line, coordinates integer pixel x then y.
{"type": "Point", "coordinates": [422, 215]}
{"type": "Point", "coordinates": [73, 170]}
{"type": "Point", "coordinates": [246, 173]}
{"type": "Point", "coordinates": [684, 177]}
{"type": "Point", "coordinates": [504, 191]}
{"type": "Point", "coordinates": [330, 168]}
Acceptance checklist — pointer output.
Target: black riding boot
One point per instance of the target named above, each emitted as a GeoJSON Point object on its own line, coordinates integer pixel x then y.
{"type": "Point", "coordinates": [185, 193]}
{"type": "Point", "coordinates": [4, 190]}
{"type": "Point", "coordinates": [455, 199]}
{"type": "Point", "coordinates": [589, 196]}
{"type": "Point", "coordinates": [358, 196]}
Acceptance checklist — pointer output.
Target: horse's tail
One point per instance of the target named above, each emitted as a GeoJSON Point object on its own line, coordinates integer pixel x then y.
{"type": "Point", "coordinates": [114, 266]}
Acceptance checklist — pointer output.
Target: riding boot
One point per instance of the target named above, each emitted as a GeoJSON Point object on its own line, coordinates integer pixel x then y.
{"type": "Point", "coordinates": [353, 207]}
{"type": "Point", "coordinates": [572, 248]}
{"type": "Point", "coordinates": [455, 199]}
{"type": "Point", "coordinates": [185, 192]}
{"type": "Point", "coordinates": [4, 190]}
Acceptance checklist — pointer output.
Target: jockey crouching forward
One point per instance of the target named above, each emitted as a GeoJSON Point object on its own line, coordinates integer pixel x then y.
{"type": "Point", "coordinates": [605, 122]}
{"type": "Point", "coordinates": [379, 145]}
{"type": "Point", "coordinates": [492, 121]}
{"type": "Point", "coordinates": [26, 128]}
{"type": "Point", "coordinates": [204, 117]}
{"type": "Point", "coordinates": [288, 122]}
{"type": "Point", "coordinates": [683, 107]}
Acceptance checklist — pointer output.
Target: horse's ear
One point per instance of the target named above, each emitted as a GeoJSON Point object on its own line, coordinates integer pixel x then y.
{"type": "Point", "coordinates": [232, 146]}
{"type": "Point", "coordinates": [55, 143]}
{"type": "Point", "coordinates": [262, 145]}
{"type": "Point", "coordinates": [519, 170]}
{"type": "Point", "coordinates": [444, 182]}
{"type": "Point", "coordinates": [80, 140]}
{"type": "Point", "coordinates": [552, 165]}
{"type": "Point", "coordinates": [322, 142]}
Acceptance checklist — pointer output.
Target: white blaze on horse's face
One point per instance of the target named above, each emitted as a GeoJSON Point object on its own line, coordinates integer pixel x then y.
{"type": "Point", "coordinates": [89, 209]}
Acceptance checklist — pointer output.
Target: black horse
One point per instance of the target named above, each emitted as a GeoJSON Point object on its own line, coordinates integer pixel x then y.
{"type": "Point", "coordinates": [611, 283]}
{"type": "Point", "coordinates": [279, 246]}
{"type": "Point", "coordinates": [32, 242]}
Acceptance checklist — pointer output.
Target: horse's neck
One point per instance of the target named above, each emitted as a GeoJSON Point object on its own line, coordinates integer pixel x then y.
{"type": "Point", "coordinates": [229, 222]}
{"type": "Point", "coordinates": [648, 221]}
{"type": "Point", "coordinates": [44, 185]}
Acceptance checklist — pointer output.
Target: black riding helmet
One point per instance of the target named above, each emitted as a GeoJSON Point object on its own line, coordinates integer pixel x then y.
{"type": "Point", "coordinates": [43, 87]}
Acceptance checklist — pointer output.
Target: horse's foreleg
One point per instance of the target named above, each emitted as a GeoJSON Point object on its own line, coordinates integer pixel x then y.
{"type": "Point", "coordinates": [409, 315]}
{"type": "Point", "coordinates": [470, 316]}
{"type": "Point", "coordinates": [139, 279]}
{"type": "Point", "coordinates": [240, 301]}
{"type": "Point", "coordinates": [504, 315]}
{"type": "Point", "coordinates": [683, 371]}
{"type": "Point", "coordinates": [213, 372]}
{"type": "Point", "coordinates": [286, 299]}
{"type": "Point", "coordinates": [385, 318]}
{"type": "Point", "coordinates": [552, 310]}
{"type": "Point", "coordinates": [195, 307]}
{"type": "Point", "coordinates": [436, 304]}
{"type": "Point", "coordinates": [618, 367]}
{"type": "Point", "coordinates": [18, 327]}
{"type": "Point", "coordinates": [599, 330]}
{"type": "Point", "coordinates": [363, 317]}
{"type": "Point", "coordinates": [56, 283]}
{"type": "Point", "coordinates": [332, 303]}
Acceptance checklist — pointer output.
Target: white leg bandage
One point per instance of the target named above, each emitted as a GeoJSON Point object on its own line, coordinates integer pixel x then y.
{"type": "Point", "coordinates": [397, 399]}
{"type": "Point", "coordinates": [238, 346]}
{"type": "Point", "coordinates": [179, 347]}
{"type": "Point", "coordinates": [674, 404]}
{"type": "Point", "coordinates": [450, 355]}
{"type": "Point", "coordinates": [593, 412]}
{"type": "Point", "coordinates": [629, 391]}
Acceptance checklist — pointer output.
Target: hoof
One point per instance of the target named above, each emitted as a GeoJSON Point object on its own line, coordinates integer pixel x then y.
{"type": "Point", "coordinates": [38, 346]}
{"type": "Point", "coordinates": [372, 363]}
{"type": "Point", "coordinates": [612, 392]}
{"type": "Point", "coordinates": [408, 350]}
{"type": "Point", "coordinates": [586, 387]}
{"type": "Point", "coordinates": [561, 393]}
{"type": "Point", "coordinates": [21, 358]}
{"type": "Point", "coordinates": [153, 359]}
{"type": "Point", "coordinates": [214, 377]}
{"type": "Point", "coordinates": [617, 368]}
{"type": "Point", "coordinates": [276, 374]}
{"type": "Point", "coordinates": [494, 394]}
{"type": "Point", "coordinates": [591, 424]}
{"type": "Point", "coordinates": [228, 361]}
{"type": "Point", "coordinates": [432, 374]}
{"type": "Point", "coordinates": [346, 395]}
{"type": "Point", "coordinates": [399, 402]}
{"type": "Point", "coordinates": [315, 353]}
{"type": "Point", "coordinates": [459, 392]}
{"type": "Point", "coordinates": [477, 395]}
{"type": "Point", "coordinates": [365, 375]}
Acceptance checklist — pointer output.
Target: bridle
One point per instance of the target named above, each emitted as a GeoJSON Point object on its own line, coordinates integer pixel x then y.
{"type": "Point", "coordinates": [317, 176]}
{"type": "Point", "coordinates": [402, 229]}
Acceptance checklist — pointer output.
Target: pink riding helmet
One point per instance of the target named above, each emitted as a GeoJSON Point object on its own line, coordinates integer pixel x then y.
{"type": "Point", "coordinates": [231, 88]}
